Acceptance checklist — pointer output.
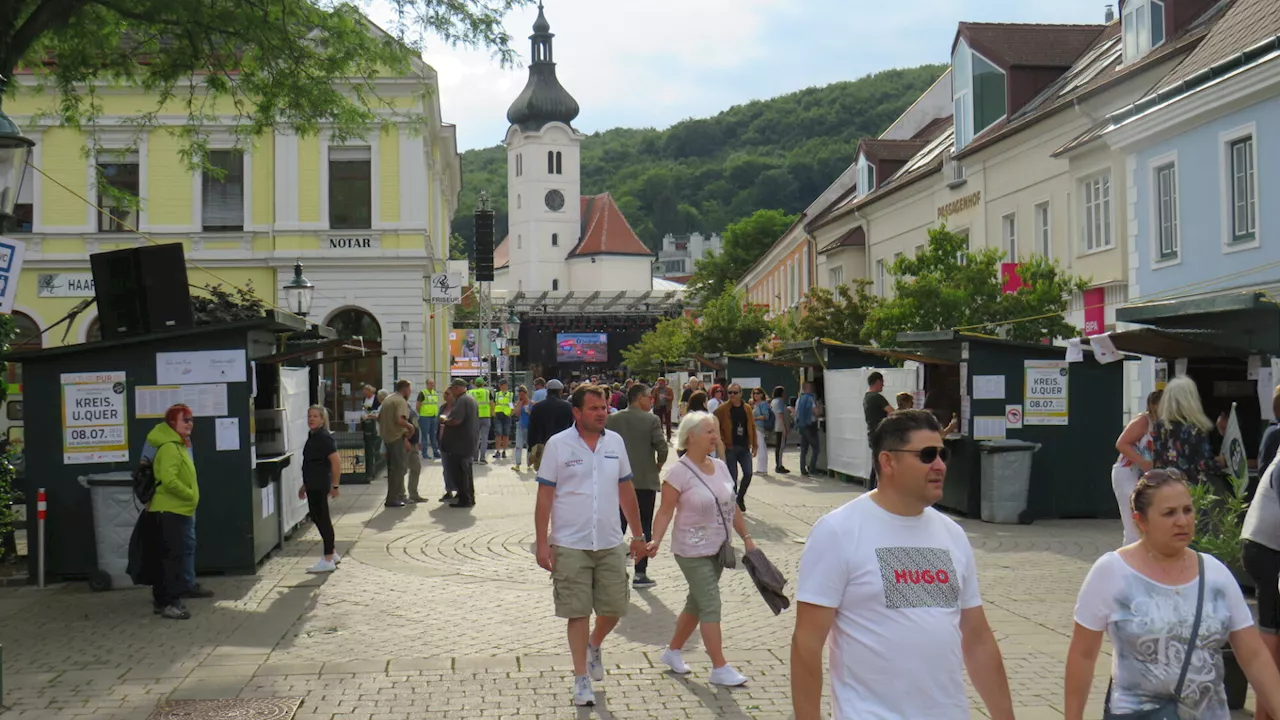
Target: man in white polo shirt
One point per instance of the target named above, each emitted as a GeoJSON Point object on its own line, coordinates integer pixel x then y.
{"type": "Point", "coordinates": [583, 479]}
{"type": "Point", "coordinates": [894, 584]}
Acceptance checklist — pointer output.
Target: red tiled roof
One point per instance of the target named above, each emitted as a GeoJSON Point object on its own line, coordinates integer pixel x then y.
{"type": "Point", "coordinates": [605, 230]}
{"type": "Point", "coordinates": [1027, 45]}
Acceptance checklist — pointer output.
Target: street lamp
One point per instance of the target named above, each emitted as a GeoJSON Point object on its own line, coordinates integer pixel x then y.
{"type": "Point", "coordinates": [512, 327]}
{"type": "Point", "coordinates": [298, 292]}
{"type": "Point", "coordinates": [14, 148]}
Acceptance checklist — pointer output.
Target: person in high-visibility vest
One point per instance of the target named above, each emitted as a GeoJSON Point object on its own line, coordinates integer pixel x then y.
{"type": "Point", "coordinates": [429, 420]}
{"type": "Point", "coordinates": [504, 399]}
{"type": "Point", "coordinates": [484, 401]}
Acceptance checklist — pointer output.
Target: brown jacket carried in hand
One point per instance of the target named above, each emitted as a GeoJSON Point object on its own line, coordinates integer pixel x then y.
{"type": "Point", "coordinates": [726, 425]}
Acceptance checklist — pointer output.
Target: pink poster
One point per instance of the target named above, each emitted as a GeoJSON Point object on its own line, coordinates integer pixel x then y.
{"type": "Point", "coordinates": [1095, 311]}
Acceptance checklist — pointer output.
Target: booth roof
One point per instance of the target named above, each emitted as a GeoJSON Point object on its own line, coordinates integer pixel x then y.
{"type": "Point", "coordinates": [1170, 344]}
{"type": "Point", "coordinates": [274, 322]}
{"type": "Point", "coordinates": [891, 353]}
{"type": "Point", "coordinates": [1238, 323]}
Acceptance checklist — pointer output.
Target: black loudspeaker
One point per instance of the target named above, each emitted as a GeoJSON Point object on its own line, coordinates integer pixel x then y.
{"type": "Point", "coordinates": [484, 246]}
{"type": "Point", "coordinates": [141, 290]}
{"type": "Point", "coordinates": [167, 297]}
{"type": "Point", "coordinates": [118, 293]}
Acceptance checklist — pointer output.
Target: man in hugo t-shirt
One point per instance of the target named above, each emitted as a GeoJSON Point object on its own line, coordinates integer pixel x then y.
{"type": "Point", "coordinates": [894, 583]}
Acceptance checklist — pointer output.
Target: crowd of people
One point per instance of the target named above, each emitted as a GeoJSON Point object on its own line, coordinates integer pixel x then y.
{"type": "Point", "coordinates": [890, 583]}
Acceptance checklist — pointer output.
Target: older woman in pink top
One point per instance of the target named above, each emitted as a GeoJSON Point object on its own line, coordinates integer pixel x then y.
{"type": "Point", "coordinates": [698, 492]}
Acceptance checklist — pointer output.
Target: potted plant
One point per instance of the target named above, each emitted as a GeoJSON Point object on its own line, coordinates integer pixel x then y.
{"type": "Point", "coordinates": [1218, 525]}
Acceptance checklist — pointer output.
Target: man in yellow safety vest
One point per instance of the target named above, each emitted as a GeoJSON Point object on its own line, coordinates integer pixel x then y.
{"type": "Point", "coordinates": [429, 420]}
{"type": "Point", "coordinates": [502, 419]}
{"type": "Point", "coordinates": [484, 401]}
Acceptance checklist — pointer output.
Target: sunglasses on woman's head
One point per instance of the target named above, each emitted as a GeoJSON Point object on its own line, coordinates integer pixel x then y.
{"type": "Point", "coordinates": [926, 455]}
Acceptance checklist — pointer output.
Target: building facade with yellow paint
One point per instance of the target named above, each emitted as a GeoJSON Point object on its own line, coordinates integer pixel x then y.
{"type": "Point", "coordinates": [368, 218]}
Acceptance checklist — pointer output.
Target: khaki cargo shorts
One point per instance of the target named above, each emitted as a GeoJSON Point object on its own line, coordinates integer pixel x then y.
{"type": "Point", "coordinates": [591, 579]}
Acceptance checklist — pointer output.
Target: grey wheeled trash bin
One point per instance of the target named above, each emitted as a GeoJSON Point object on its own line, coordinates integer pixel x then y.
{"type": "Point", "coordinates": [115, 512]}
{"type": "Point", "coordinates": [1006, 480]}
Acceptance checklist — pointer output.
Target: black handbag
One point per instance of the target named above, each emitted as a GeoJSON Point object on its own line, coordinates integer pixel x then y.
{"type": "Point", "coordinates": [1168, 707]}
{"type": "Point", "coordinates": [726, 556]}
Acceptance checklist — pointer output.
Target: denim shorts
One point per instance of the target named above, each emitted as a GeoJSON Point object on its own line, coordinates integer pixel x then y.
{"type": "Point", "coordinates": [502, 425]}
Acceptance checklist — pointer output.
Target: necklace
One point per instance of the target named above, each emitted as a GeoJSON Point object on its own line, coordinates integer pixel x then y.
{"type": "Point", "coordinates": [1180, 566]}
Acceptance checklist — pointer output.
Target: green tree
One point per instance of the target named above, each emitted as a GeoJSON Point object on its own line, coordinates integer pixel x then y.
{"type": "Point", "coordinates": [744, 242]}
{"type": "Point", "coordinates": [666, 345]}
{"type": "Point", "coordinates": [728, 324]}
{"type": "Point", "coordinates": [840, 314]}
{"type": "Point", "coordinates": [298, 64]}
{"type": "Point", "coordinates": [457, 247]}
{"type": "Point", "coordinates": [947, 286]}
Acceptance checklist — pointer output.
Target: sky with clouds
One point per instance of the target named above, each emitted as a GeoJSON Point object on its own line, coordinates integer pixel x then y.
{"type": "Point", "coordinates": [656, 62]}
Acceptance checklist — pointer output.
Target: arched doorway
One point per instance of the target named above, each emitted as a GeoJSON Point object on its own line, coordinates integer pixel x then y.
{"type": "Point", "coordinates": [344, 380]}
{"type": "Point", "coordinates": [94, 332]}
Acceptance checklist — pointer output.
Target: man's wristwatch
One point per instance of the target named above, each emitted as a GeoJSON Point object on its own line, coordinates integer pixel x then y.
{"type": "Point", "coordinates": [638, 539]}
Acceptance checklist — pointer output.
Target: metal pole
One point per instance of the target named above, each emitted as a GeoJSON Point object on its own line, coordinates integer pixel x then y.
{"type": "Point", "coordinates": [41, 511]}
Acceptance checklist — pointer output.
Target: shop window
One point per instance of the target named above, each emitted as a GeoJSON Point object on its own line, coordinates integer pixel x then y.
{"type": "Point", "coordinates": [350, 188]}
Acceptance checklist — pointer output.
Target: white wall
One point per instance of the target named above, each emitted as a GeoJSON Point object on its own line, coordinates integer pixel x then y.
{"type": "Point", "coordinates": [612, 273]}
{"type": "Point", "coordinates": [534, 261]}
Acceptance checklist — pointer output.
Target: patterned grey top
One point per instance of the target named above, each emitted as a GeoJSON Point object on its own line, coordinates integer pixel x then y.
{"type": "Point", "coordinates": [1149, 624]}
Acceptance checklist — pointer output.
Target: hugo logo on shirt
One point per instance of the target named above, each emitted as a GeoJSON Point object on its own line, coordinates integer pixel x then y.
{"type": "Point", "coordinates": [918, 577]}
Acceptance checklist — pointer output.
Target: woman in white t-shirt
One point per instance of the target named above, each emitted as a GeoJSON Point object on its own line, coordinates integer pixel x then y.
{"type": "Point", "coordinates": [698, 492]}
{"type": "Point", "coordinates": [781, 425]}
{"type": "Point", "coordinates": [1144, 597]}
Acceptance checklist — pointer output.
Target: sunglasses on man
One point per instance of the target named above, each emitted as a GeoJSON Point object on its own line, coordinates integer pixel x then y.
{"type": "Point", "coordinates": [925, 455]}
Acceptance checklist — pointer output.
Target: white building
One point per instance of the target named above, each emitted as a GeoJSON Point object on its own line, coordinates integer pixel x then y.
{"type": "Point", "coordinates": [680, 253]}
{"type": "Point", "coordinates": [558, 239]}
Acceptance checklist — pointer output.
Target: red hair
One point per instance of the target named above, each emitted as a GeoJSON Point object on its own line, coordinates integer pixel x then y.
{"type": "Point", "coordinates": [175, 413]}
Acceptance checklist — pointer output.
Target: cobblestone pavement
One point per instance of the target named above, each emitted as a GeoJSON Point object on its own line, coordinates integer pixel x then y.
{"type": "Point", "coordinates": [441, 613]}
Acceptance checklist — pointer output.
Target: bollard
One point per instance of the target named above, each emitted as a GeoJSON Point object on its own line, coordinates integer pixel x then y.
{"type": "Point", "coordinates": [42, 508]}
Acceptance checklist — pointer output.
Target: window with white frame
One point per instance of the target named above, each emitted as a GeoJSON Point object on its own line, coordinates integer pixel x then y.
{"type": "Point", "coordinates": [919, 251]}
{"type": "Point", "coordinates": [1095, 197]}
{"type": "Point", "coordinates": [1165, 192]}
{"type": "Point", "coordinates": [866, 176]}
{"type": "Point", "coordinates": [1009, 236]}
{"type": "Point", "coordinates": [118, 188]}
{"type": "Point", "coordinates": [1043, 237]}
{"type": "Point", "coordinates": [882, 279]}
{"type": "Point", "coordinates": [1243, 190]}
{"type": "Point", "coordinates": [1143, 28]}
{"type": "Point", "coordinates": [222, 191]}
{"type": "Point", "coordinates": [835, 276]}
{"type": "Point", "coordinates": [793, 283]}
{"type": "Point", "coordinates": [350, 188]}
{"type": "Point", "coordinates": [978, 93]}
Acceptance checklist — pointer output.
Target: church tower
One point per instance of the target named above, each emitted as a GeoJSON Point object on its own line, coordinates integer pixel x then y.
{"type": "Point", "coordinates": [544, 202]}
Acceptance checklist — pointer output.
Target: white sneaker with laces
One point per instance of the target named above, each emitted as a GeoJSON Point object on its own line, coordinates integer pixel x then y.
{"type": "Point", "coordinates": [595, 663]}
{"type": "Point", "coordinates": [583, 694]}
{"type": "Point", "coordinates": [336, 557]}
{"type": "Point", "coordinates": [674, 659]}
{"type": "Point", "coordinates": [727, 676]}
{"type": "Point", "coordinates": [323, 566]}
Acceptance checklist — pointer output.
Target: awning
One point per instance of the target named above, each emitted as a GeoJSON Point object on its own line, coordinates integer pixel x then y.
{"type": "Point", "coordinates": [1168, 344]}
{"type": "Point", "coordinates": [1227, 325]}
{"type": "Point", "coordinates": [900, 355]}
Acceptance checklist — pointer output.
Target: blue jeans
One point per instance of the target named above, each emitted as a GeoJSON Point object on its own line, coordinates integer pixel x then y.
{"type": "Point", "coordinates": [430, 427]}
{"type": "Point", "coordinates": [808, 440]}
{"type": "Point", "coordinates": [521, 433]}
{"type": "Point", "coordinates": [189, 553]}
{"type": "Point", "coordinates": [739, 457]}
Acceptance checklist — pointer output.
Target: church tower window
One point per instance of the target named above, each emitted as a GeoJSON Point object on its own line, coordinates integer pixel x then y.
{"type": "Point", "coordinates": [559, 169]}
{"type": "Point", "coordinates": [555, 239]}
{"type": "Point", "coordinates": [551, 163]}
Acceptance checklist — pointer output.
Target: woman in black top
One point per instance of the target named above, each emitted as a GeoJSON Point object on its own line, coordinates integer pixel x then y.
{"type": "Point", "coordinates": [321, 472]}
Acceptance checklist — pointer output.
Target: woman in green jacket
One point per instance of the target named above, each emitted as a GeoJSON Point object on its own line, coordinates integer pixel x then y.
{"type": "Point", "coordinates": [173, 507]}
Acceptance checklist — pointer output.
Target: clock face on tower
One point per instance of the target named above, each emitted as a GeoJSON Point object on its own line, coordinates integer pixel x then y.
{"type": "Point", "coordinates": [555, 200]}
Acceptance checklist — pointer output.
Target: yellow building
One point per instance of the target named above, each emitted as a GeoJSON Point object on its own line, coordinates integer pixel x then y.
{"type": "Point", "coordinates": [368, 218]}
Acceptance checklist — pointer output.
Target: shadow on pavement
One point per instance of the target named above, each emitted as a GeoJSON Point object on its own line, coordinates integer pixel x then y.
{"type": "Point", "coordinates": [648, 619]}
{"type": "Point", "coordinates": [452, 519]}
{"type": "Point", "coordinates": [719, 700]}
{"type": "Point", "coordinates": [388, 517]}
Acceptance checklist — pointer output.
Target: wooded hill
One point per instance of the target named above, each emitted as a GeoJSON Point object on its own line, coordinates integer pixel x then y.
{"type": "Point", "coordinates": [702, 174]}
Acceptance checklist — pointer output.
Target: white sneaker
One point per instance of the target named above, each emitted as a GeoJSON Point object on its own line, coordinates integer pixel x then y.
{"type": "Point", "coordinates": [583, 694]}
{"type": "Point", "coordinates": [323, 566]}
{"type": "Point", "coordinates": [674, 659]}
{"type": "Point", "coordinates": [336, 557]}
{"type": "Point", "coordinates": [728, 677]}
{"type": "Point", "coordinates": [595, 663]}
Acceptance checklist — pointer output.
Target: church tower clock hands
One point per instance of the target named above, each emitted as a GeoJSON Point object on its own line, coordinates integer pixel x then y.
{"type": "Point", "coordinates": [543, 153]}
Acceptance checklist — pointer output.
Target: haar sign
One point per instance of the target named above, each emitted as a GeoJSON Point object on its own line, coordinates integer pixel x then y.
{"type": "Point", "coordinates": [64, 285]}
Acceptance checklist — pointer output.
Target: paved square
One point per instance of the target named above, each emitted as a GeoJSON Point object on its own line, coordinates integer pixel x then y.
{"type": "Point", "coordinates": [443, 613]}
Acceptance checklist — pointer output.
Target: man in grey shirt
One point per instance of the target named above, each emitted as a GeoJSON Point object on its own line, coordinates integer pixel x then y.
{"type": "Point", "coordinates": [458, 442]}
{"type": "Point", "coordinates": [641, 432]}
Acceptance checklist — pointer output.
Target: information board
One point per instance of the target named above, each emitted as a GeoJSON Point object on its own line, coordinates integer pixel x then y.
{"type": "Point", "coordinates": [94, 418]}
{"type": "Point", "coordinates": [1045, 393]}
